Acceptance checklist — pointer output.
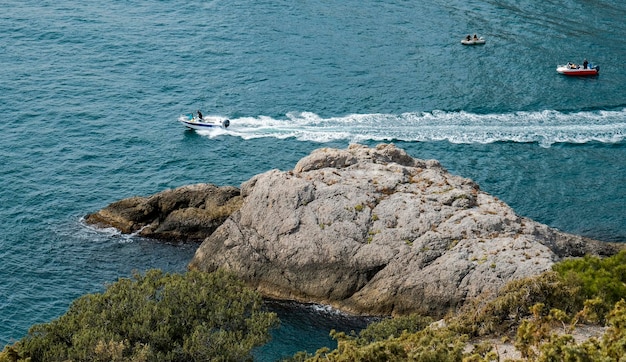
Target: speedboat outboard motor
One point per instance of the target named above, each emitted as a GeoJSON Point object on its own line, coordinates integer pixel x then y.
{"type": "Point", "coordinates": [225, 123]}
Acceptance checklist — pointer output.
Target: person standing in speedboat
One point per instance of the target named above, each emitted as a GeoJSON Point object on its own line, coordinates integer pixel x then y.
{"type": "Point", "coordinates": [199, 115]}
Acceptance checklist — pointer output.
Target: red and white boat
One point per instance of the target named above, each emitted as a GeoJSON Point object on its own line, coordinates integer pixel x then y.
{"type": "Point", "coordinates": [578, 70]}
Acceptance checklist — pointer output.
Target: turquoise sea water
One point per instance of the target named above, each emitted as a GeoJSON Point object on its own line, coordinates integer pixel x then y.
{"type": "Point", "coordinates": [90, 93]}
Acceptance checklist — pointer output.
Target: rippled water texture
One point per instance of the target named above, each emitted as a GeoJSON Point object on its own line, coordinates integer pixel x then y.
{"type": "Point", "coordinates": [91, 92]}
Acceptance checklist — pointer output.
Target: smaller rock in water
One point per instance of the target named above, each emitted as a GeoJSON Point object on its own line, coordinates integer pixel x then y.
{"type": "Point", "coordinates": [188, 213]}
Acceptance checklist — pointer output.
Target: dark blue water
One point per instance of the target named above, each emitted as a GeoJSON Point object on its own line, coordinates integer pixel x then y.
{"type": "Point", "coordinates": [90, 93]}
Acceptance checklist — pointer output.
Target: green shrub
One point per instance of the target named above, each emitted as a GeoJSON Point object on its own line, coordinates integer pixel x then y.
{"type": "Point", "coordinates": [537, 341]}
{"type": "Point", "coordinates": [541, 310]}
{"type": "Point", "coordinates": [513, 303]}
{"type": "Point", "coordinates": [426, 345]}
{"type": "Point", "coordinates": [614, 340]}
{"type": "Point", "coordinates": [392, 327]}
{"type": "Point", "coordinates": [194, 316]}
{"type": "Point", "coordinates": [598, 278]}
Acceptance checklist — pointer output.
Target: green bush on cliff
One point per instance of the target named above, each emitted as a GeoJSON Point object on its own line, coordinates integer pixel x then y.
{"type": "Point", "coordinates": [535, 308]}
{"type": "Point", "coordinates": [197, 316]}
{"type": "Point", "coordinates": [194, 316]}
{"type": "Point", "coordinates": [392, 327]}
{"type": "Point", "coordinates": [542, 337]}
{"type": "Point", "coordinates": [596, 277]}
{"type": "Point", "coordinates": [484, 316]}
{"type": "Point", "coordinates": [428, 344]}
{"type": "Point", "coordinates": [537, 341]}
{"type": "Point", "coordinates": [570, 285]}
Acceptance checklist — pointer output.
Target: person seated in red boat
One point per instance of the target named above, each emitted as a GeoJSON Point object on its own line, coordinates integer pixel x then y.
{"type": "Point", "coordinates": [572, 66]}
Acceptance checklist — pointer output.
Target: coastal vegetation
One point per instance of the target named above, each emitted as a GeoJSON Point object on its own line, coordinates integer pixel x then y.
{"type": "Point", "coordinates": [194, 316]}
{"type": "Point", "coordinates": [200, 316]}
{"type": "Point", "coordinates": [538, 315]}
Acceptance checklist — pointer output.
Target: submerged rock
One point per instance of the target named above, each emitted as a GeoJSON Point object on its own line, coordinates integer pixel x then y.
{"type": "Point", "coordinates": [374, 231]}
{"type": "Point", "coordinates": [186, 213]}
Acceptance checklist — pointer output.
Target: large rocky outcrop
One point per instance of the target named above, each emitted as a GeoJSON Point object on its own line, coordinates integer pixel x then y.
{"type": "Point", "coordinates": [186, 213]}
{"type": "Point", "coordinates": [374, 231]}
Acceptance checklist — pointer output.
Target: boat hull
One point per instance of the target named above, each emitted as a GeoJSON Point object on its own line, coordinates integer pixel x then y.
{"type": "Point", "coordinates": [206, 123]}
{"type": "Point", "coordinates": [473, 42]}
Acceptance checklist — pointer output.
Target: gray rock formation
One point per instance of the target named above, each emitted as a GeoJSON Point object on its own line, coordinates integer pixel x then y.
{"type": "Point", "coordinates": [188, 213]}
{"type": "Point", "coordinates": [374, 231]}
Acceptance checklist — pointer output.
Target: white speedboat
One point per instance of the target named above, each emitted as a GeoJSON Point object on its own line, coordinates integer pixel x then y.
{"type": "Point", "coordinates": [578, 70]}
{"type": "Point", "coordinates": [473, 41]}
{"type": "Point", "coordinates": [204, 123]}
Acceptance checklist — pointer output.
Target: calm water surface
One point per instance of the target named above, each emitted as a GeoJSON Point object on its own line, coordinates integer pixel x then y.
{"type": "Point", "coordinates": [91, 91]}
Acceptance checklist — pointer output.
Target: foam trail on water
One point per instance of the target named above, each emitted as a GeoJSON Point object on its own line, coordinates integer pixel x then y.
{"type": "Point", "coordinates": [545, 127]}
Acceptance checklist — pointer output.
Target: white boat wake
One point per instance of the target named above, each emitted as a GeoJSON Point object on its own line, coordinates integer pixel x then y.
{"type": "Point", "coordinates": [544, 128]}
